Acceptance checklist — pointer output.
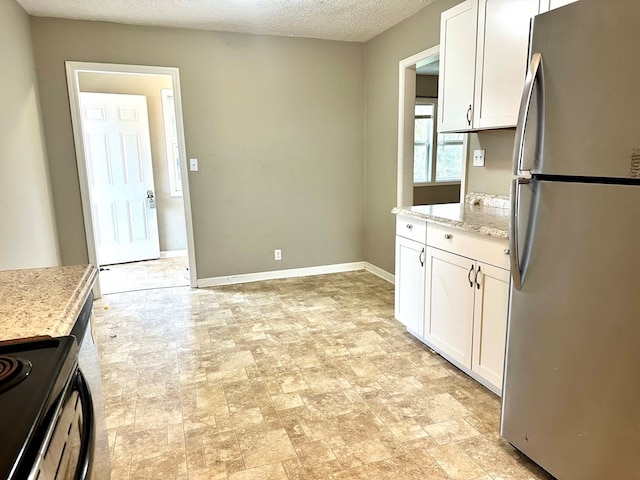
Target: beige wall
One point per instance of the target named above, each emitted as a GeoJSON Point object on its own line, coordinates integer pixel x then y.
{"type": "Point", "coordinates": [382, 54]}
{"type": "Point", "coordinates": [495, 176]}
{"type": "Point", "coordinates": [427, 86]}
{"type": "Point", "coordinates": [432, 194]}
{"type": "Point", "coordinates": [171, 222]}
{"type": "Point", "coordinates": [28, 229]}
{"type": "Point", "coordinates": [276, 123]}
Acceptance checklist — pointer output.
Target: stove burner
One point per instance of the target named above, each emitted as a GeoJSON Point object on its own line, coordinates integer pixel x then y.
{"type": "Point", "coordinates": [12, 371]}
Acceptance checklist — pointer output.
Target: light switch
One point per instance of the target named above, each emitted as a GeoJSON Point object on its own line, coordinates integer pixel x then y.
{"type": "Point", "coordinates": [193, 164]}
{"type": "Point", "coordinates": [478, 158]}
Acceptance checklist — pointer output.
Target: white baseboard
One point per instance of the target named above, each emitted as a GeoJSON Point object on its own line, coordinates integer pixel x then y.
{"type": "Point", "coordinates": [383, 274]}
{"type": "Point", "coordinates": [173, 253]}
{"type": "Point", "coordinates": [278, 274]}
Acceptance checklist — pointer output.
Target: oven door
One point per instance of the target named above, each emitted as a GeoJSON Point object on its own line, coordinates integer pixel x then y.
{"type": "Point", "coordinates": [68, 452]}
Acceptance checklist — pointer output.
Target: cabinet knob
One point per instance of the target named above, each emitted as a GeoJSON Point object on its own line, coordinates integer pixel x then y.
{"type": "Point", "coordinates": [409, 226]}
{"type": "Point", "coordinates": [507, 251]}
{"type": "Point", "coordinates": [448, 236]}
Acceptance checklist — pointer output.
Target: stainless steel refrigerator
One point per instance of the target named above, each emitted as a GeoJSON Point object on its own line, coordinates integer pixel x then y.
{"type": "Point", "coordinates": [571, 393]}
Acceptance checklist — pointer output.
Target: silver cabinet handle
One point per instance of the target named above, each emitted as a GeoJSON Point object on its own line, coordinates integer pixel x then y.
{"type": "Point", "coordinates": [448, 236]}
{"type": "Point", "coordinates": [536, 72]}
{"type": "Point", "coordinates": [409, 226]}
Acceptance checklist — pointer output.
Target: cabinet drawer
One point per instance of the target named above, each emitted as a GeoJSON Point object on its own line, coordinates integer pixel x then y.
{"type": "Point", "coordinates": [478, 247]}
{"type": "Point", "coordinates": [411, 228]}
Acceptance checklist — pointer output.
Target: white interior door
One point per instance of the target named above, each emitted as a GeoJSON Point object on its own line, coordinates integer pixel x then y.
{"type": "Point", "coordinates": [120, 174]}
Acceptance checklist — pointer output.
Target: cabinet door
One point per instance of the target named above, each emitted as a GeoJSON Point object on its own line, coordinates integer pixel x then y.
{"type": "Point", "coordinates": [409, 298]}
{"type": "Point", "coordinates": [490, 322]}
{"type": "Point", "coordinates": [449, 304]}
{"type": "Point", "coordinates": [546, 5]}
{"type": "Point", "coordinates": [501, 66]}
{"type": "Point", "coordinates": [457, 66]}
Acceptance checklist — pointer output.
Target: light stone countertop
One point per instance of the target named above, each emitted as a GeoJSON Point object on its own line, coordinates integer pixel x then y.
{"type": "Point", "coordinates": [477, 216]}
{"type": "Point", "coordinates": [43, 301]}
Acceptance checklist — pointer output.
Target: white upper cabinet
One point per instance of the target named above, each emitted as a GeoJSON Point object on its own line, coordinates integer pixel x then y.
{"type": "Point", "coordinates": [457, 66]}
{"type": "Point", "coordinates": [484, 46]}
{"type": "Point", "coordinates": [501, 64]}
{"type": "Point", "coordinates": [546, 5]}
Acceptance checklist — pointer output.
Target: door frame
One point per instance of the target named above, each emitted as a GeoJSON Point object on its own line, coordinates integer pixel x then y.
{"type": "Point", "coordinates": [406, 109]}
{"type": "Point", "coordinates": [72, 70]}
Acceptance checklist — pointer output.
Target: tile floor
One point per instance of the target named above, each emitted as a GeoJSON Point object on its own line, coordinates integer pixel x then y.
{"type": "Point", "coordinates": [307, 378]}
{"type": "Point", "coordinates": [160, 273]}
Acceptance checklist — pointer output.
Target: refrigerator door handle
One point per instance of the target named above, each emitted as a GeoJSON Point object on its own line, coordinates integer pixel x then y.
{"type": "Point", "coordinates": [514, 255]}
{"type": "Point", "coordinates": [534, 74]}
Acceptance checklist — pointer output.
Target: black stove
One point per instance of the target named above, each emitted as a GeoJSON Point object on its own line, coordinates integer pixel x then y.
{"type": "Point", "coordinates": [12, 371]}
{"type": "Point", "coordinates": [33, 377]}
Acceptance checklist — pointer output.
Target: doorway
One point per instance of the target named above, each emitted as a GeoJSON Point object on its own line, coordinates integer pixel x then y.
{"type": "Point", "coordinates": [120, 168]}
{"type": "Point", "coordinates": [426, 182]}
{"type": "Point", "coordinates": [161, 206]}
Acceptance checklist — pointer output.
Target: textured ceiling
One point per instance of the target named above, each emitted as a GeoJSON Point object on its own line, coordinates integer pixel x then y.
{"type": "Point", "coordinates": [349, 20]}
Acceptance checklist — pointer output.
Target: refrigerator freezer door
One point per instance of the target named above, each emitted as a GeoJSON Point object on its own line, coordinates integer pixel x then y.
{"type": "Point", "coordinates": [592, 104]}
{"type": "Point", "coordinates": [572, 380]}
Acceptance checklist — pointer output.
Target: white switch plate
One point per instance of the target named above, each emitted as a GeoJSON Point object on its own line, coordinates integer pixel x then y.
{"type": "Point", "coordinates": [193, 164]}
{"type": "Point", "coordinates": [277, 254]}
{"type": "Point", "coordinates": [478, 158]}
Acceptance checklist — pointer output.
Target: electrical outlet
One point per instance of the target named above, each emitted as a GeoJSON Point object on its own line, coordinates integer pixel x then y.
{"type": "Point", "coordinates": [193, 164]}
{"type": "Point", "coordinates": [478, 158]}
{"type": "Point", "coordinates": [277, 254]}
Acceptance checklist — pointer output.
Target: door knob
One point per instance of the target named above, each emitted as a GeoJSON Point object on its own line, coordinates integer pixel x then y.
{"type": "Point", "coordinates": [151, 199]}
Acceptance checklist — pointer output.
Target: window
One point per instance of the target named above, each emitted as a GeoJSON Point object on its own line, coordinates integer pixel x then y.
{"type": "Point", "coordinates": [450, 155]}
{"type": "Point", "coordinates": [440, 161]}
{"type": "Point", "coordinates": [423, 143]}
{"type": "Point", "coordinates": [171, 142]}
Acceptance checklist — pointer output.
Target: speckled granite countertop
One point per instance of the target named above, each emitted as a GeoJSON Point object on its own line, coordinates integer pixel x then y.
{"type": "Point", "coordinates": [482, 214]}
{"type": "Point", "coordinates": [43, 301]}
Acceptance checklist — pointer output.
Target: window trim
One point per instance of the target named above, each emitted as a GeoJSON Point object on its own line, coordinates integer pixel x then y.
{"type": "Point", "coordinates": [170, 138]}
{"type": "Point", "coordinates": [426, 101]}
{"type": "Point", "coordinates": [434, 151]}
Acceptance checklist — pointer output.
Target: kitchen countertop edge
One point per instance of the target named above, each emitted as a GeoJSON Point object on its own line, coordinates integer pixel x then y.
{"type": "Point", "coordinates": [472, 218]}
{"type": "Point", "coordinates": [43, 301]}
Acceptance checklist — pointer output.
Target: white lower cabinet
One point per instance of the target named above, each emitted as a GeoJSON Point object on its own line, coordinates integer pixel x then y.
{"type": "Point", "coordinates": [449, 305]}
{"type": "Point", "coordinates": [411, 239]}
{"type": "Point", "coordinates": [490, 312]}
{"type": "Point", "coordinates": [466, 313]}
{"type": "Point", "coordinates": [452, 292]}
{"type": "Point", "coordinates": [409, 301]}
